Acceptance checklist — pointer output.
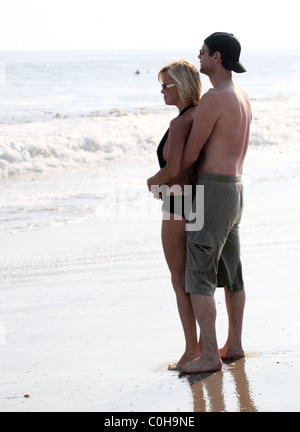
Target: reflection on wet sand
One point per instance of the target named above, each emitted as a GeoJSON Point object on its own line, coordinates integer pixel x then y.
{"type": "Point", "coordinates": [212, 390]}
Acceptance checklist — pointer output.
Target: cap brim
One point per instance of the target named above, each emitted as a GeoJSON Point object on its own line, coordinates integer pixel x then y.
{"type": "Point", "coordinates": [238, 68]}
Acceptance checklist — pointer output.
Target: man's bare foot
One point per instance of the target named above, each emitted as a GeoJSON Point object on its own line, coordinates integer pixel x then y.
{"type": "Point", "coordinates": [227, 353]}
{"type": "Point", "coordinates": [186, 358]}
{"type": "Point", "coordinates": [202, 364]}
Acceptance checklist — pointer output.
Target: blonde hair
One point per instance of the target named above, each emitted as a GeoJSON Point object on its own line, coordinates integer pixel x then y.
{"type": "Point", "coordinates": [186, 78]}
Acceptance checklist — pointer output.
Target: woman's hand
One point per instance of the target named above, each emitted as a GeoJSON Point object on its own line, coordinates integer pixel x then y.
{"type": "Point", "coordinates": [158, 191]}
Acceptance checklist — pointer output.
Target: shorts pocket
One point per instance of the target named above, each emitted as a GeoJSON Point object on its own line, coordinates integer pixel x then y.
{"type": "Point", "coordinates": [201, 250]}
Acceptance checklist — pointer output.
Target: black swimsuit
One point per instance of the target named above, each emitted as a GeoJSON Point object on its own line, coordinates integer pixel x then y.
{"type": "Point", "coordinates": [160, 148]}
{"type": "Point", "coordinates": [169, 200]}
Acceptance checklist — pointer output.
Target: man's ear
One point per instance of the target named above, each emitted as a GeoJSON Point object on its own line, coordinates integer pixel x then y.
{"type": "Point", "coordinates": [217, 56]}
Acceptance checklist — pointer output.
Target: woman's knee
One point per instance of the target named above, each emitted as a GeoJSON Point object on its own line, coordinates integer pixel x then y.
{"type": "Point", "coordinates": [178, 281]}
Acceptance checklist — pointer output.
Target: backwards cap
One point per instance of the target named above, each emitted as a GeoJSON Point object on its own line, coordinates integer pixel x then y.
{"type": "Point", "coordinates": [229, 47]}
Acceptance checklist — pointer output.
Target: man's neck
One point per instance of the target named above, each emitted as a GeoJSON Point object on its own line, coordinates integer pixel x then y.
{"type": "Point", "coordinates": [220, 76]}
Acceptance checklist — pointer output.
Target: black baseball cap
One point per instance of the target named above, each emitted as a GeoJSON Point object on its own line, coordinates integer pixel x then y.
{"type": "Point", "coordinates": [229, 47]}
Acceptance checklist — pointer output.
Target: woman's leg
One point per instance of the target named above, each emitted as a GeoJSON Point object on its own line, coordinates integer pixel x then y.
{"type": "Point", "coordinates": [174, 245]}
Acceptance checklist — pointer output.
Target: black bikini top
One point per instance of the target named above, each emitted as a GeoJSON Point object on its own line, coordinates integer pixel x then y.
{"type": "Point", "coordinates": [160, 148]}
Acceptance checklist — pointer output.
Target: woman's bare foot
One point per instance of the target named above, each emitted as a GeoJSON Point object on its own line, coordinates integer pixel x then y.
{"type": "Point", "coordinates": [175, 366]}
{"type": "Point", "coordinates": [186, 358]}
{"type": "Point", "coordinates": [202, 364]}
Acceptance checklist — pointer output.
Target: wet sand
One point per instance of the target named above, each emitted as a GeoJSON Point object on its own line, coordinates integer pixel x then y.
{"type": "Point", "coordinates": [89, 319]}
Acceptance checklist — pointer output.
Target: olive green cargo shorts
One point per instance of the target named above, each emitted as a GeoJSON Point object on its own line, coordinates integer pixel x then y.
{"type": "Point", "coordinates": [213, 253]}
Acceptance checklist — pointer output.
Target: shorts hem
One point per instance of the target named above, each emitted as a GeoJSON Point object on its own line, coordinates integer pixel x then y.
{"type": "Point", "coordinates": [235, 289]}
{"type": "Point", "coordinates": [201, 291]}
{"type": "Point", "coordinates": [211, 292]}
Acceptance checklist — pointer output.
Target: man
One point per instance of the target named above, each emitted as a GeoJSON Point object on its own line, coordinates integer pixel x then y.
{"type": "Point", "coordinates": [217, 145]}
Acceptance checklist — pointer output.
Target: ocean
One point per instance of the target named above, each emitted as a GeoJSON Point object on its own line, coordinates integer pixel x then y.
{"type": "Point", "coordinates": [67, 112]}
{"type": "Point", "coordinates": [39, 86]}
{"type": "Point", "coordinates": [88, 317]}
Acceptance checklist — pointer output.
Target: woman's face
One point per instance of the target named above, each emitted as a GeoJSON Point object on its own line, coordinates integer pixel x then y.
{"type": "Point", "coordinates": [171, 95]}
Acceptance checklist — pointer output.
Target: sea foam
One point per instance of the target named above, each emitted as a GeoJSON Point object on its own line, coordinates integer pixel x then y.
{"type": "Point", "coordinates": [89, 140]}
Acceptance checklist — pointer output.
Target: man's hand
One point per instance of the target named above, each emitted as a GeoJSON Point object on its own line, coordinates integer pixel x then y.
{"type": "Point", "coordinates": [154, 189]}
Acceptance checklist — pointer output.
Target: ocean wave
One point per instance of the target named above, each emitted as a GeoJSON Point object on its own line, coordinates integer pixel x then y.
{"type": "Point", "coordinates": [63, 143]}
{"type": "Point", "coordinates": [276, 121]}
{"type": "Point", "coordinates": [88, 140]}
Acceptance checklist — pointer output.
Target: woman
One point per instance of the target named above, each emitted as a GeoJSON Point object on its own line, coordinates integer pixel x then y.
{"type": "Point", "coordinates": [181, 87]}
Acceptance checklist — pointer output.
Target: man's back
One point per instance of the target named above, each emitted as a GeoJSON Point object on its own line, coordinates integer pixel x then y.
{"type": "Point", "coordinates": [225, 150]}
{"type": "Point", "coordinates": [219, 138]}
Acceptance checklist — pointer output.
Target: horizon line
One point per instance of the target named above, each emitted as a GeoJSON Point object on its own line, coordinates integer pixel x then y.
{"type": "Point", "coordinates": [244, 48]}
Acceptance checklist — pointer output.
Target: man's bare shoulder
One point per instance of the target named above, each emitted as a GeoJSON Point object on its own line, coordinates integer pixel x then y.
{"type": "Point", "coordinates": [226, 96]}
{"type": "Point", "coordinates": [209, 105]}
{"type": "Point", "coordinates": [182, 122]}
{"type": "Point", "coordinates": [210, 95]}
{"type": "Point", "coordinates": [210, 99]}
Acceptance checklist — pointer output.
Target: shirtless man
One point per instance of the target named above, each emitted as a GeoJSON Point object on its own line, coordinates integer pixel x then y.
{"type": "Point", "coordinates": [218, 144]}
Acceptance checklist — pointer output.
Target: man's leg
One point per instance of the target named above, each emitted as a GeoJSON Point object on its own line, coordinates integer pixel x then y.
{"type": "Point", "coordinates": [205, 312]}
{"type": "Point", "coordinates": [235, 303]}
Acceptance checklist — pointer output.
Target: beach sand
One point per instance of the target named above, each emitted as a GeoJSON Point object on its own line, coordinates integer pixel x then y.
{"type": "Point", "coordinates": [89, 319]}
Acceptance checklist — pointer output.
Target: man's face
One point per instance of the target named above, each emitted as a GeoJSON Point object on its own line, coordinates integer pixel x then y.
{"type": "Point", "coordinates": [205, 59]}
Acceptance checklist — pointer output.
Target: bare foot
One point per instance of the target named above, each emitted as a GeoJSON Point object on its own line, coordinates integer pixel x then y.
{"type": "Point", "coordinates": [186, 358]}
{"type": "Point", "coordinates": [202, 364]}
{"type": "Point", "coordinates": [175, 366]}
{"type": "Point", "coordinates": [227, 353]}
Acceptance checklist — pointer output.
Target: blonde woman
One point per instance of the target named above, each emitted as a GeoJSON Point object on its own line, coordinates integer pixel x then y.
{"type": "Point", "coordinates": [181, 87]}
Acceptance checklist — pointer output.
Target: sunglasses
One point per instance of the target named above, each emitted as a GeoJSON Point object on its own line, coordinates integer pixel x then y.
{"type": "Point", "coordinates": [202, 52]}
{"type": "Point", "coordinates": [167, 86]}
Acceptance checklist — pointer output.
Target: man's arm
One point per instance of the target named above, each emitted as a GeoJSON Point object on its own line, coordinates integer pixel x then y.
{"type": "Point", "coordinates": [206, 116]}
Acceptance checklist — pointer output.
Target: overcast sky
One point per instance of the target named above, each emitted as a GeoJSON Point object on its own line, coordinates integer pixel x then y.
{"type": "Point", "coordinates": [97, 24]}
